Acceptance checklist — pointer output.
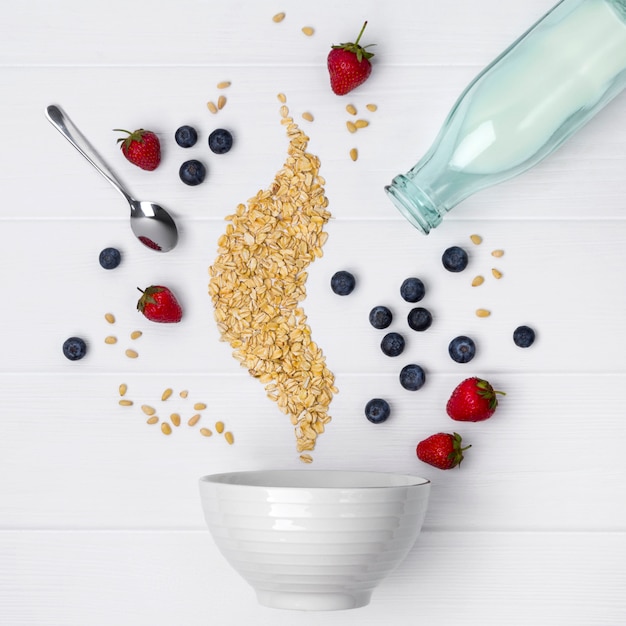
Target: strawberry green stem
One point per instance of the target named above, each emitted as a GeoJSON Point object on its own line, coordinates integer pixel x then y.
{"type": "Point", "coordinates": [356, 43]}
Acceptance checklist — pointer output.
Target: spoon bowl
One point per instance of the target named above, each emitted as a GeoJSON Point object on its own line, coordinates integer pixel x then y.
{"type": "Point", "coordinates": [152, 224]}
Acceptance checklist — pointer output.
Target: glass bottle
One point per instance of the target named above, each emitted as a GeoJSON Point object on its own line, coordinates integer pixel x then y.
{"type": "Point", "coordinates": [520, 108]}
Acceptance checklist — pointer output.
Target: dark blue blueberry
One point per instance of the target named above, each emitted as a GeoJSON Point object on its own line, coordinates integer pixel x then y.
{"type": "Point", "coordinates": [110, 258]}
{"type": "Point", "coordinates": [186, 136]}
{"type": "Point", "coordinates": [412, 377]}
{"type": "Point", "coordinates": [377, 410]}
{"type": "Point", "coordinates": [74, 348]}
{"type": "Point", "coordinates": [342, 283]}
{"type": "Point", "coordinates": [462, 349]}
{"type": "Point", "coordinates": [454, 259]}
{"type": "Point", "coordinates": [380, 317]}
{"type": "Point", "coordinates": [220, 141]}
{"type": "Point", "coordinates": [524, 336]}
{"type": "Point", "coordinates": [392, 344]}
{"type": "Point", "coordinates": [412, 290]}
{"type": "Point", "coordinates": [192, 172]}
{"type": "Point", "coordinates": [419, 318]}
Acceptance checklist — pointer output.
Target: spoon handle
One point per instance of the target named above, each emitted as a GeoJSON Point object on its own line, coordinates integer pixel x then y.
{"type": "Point", "coordinates": [68, 129]}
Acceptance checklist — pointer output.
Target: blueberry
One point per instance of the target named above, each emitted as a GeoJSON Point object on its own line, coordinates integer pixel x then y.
{"type": "Point", "coordinates": [342, 283]}
{"type": "Point", "coordinates": [392, 344]}
{"type": "Point", "coordinates": [412, 377]}
{"type": "Point", "coordinates": [454, 259]}
{"type": "Point", "coordinates": [419, 318]}
{"type": "Point", "coordinates": [110, 258]}
{"type": "Point", "coordinates": [412, 290]}
{"type": "Point", "coordinates": [462, 349]}
{"type": "Point", "coordinates": [220, 141]}
{"type": "Point", "coordinates": [377, 410]}
{"type": "Point", "coordinates": [192, 172]}
{"type": "Point", "coordinates": [380, 317]}
{"type": "Point", "coordinates": [524, 336]}
{"type": "Point", "coordinates": [74, 348]}
{"type": "Point", "coordinates": [186, 136]}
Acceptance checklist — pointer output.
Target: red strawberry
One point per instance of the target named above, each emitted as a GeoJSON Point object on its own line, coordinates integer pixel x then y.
{"type": "Point", "coordinates": [349, 65]}
{"type": "Point", "coordinates": [159, 304]}
{"type": "Point", "coordinates": [473, 400]}
{"type": "Point", "coordinates": [442, 450]}
{"type": "Point", "coordinates": [142, 148]}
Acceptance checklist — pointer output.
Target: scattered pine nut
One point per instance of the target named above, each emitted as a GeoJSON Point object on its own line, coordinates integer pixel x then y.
{"type": "Point", "coordinates": [123, 389]}
{"type": "Point", "coordinates": [184, 393]}
{"type": "Point", "coordinates": [110, 340]}
{"type": "Point", "coordinates": [221, 102]}
{"type": "Point", "coordinates": [211, 106]}
{"type": "Point", "coordinates": [351, 126]}
{"type": "Point", "coordinates": [166, 394]}
{"type": "Point", "coordinates": [135, 334]}
{"type": "Point", "coordinates": [166, 429]}
{"type": "Point", "coordinates": [496, 273]}
{"type": "Point", "coordinates": [282, 98]}
{"type": "Point", "coordinates": [131, 354]}
{"type": "Point", "coordinates": [205, 432]}
{"type": "Point", "coordinates": [152, 420]}
{"type": "Point", "coordinates": [126, 403]}
{"type": "Point", "coordinates": [148, 410]}
{"type": "Point", "coordinates": [371, 107]}
{"type": "Point", "coordinates": [308, 31]}
{"type": "Point", "coordinates": [199, 406]}
{"type": "Point", "coordinates": [350, 108]}
{"type": "Point", "coordinates": [354, 154]}
{"type": "Point", "coordinates": [476, 239]}
{"type": "Point", "coordinates": [361, 123]}
{"type": "Point", "coordinates": [306, 458]}
{"type": "Point", "coordinates": [483, 313]}
{"type": "Point", "coordinates": [307, 116]}
{"type": "Point", "coordinates": [229, 437]}
{"type": "Point", "coordinates": [497, 253]}
{"type": "Point", "coordinates": [284, 111]}
{"type": "Point", "coordinates": [193, 420]}
{"type": "Point", "coordinates": [175, 417]}
{"type": "Point", "coordinates": [109, 317]}
{"type": "Point", "coordinates": [479, 280]}
{"type": "Point", "coordinates": [279, 17]}
{"type": "Point", "coordinates": [225, 84]}
{"type": "Point", "coordinates": [219, 427]}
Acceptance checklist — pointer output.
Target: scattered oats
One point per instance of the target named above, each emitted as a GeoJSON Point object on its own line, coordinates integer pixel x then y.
{"type": "Point", "coordinates": [361, 123]}
{"type": "Point", "coordinates": [126, 403]}
{"type": "Point", "coordinates": [497, 253]}
{"type": "Point", "coordinates": [350, 108]}
{"type": "Point", "coordinates": [221, 102]}
{"type": "Point", "coordinates": [123, 389]}
{"type": "Point", "coordinates": [483, 313]}
{"type": "Point", "coordinates": [205, 432]}
{"type": "Point", "coordinates": [135, 334]}
{"type": "Point", "coordinates": [193, 420]}
{"type": "Point", "coordinates": [354, 154]}
{"type": "Point", "coordinates": [279, 17]}
{"type": "Point", "coordinates": [109, 317]}
{"type": "Point", "coordinates": [496, 273]}
{"type": "Point", "coordinates": [175, 419]}
{"type": "Point", "coordinates": [282, 98]}
{"type": "Point", "coordinates": [152, 420]}
{"type": "Point", "coordinates": [230, 439]}
{"type": "Point", "coordinates": [199, 406]}
{"type": "Point", "coordinates": [110, 339]}
{"type": "Point", "coordinates": [307, 116]}
{"type": "Point", "coordinates": [478, 280]}
{"type": "Point", "coordinates": [219, 427]}
{"type": "Point", "coordinates": [148, 410]}
{"type": "Point", "coordinates": [211, 106]}
{"type": "Point", "coordinates": [476, 239]}
{"type": "Point", "coordinates": [306, 458]}
{"type": "Point", "coordinates": [184, 393]}
{"type": "Point", "coordinates": [371, 107]}
{"type": "Point", "coordinates": [166, 394]}
{"type": "Point", "coordinates": [225, 84]}
{"type": "Point", "coordinates": [166, 429]}
{"type": "Point", "coordinates": [284, 110]}
{"type": "Point", "coordinates": [351, 126]}
{"type": "Point", "coordinates": [131, 354]}
{"type": "Point", "coordinates": [308, 31]}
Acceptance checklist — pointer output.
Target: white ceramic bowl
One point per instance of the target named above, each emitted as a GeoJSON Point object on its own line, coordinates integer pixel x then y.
{"type": "Point", "coordinates": [311, 539]}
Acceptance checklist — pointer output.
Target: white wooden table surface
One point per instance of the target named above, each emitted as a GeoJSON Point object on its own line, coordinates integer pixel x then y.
{"type": "Point", "coordinates": [100, 521]}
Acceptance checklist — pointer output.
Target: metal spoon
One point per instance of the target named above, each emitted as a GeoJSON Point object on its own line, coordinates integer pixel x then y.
{"type": "Point", "coordinates": [152, 224]}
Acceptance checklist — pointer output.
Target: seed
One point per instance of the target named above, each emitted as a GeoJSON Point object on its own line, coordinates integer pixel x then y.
{"type": "Point", "coordinates": [175, 418]}
{"type": "Point", "coordinates": [166, 394]}
{"type": "Point", "coordinates": [184, 393]}
{"type": "Point", "coordinates": [350, 108]}
{"type": "Point", "coordinates": [361, 123]}
{"type": "Point", "coordinates": [478, 280]}
{"type": "Point", "coordinates": [126, 403]}
{"type": "Point", "coordinates": [131, 354]}
{"type": "Point", "coordinates": [371, 107]}
{"type": "Point", "coordinates": [152, 420]}
{"type": "Point", "coordinates": [205, 432]}
{"type": "Point", "coordinates": [110, 339]}
{"type": "Point", "coordinates": [193, 420]}
{"type": "Point", "coordinates": [282, 98]}
{"type": "Point", "coordinates": [211, 106]}
{"type": "Point", "coordinates": [166, 429]}
{"type": "Point", "coordinates": [307, 116]}
{"type": "Point", "coordinates": [351, 126]}
{"type": "Point", "coordinates": [279, 17]}
{"type": "Point", "coordinates": [284, 111]}
{"type": "Point", "coordinates": [354, 154]}
{"type": "Point", "coordinates": [476, 239]}
{"type": "Point", "coordinates": [221, 102]}
{"type": "Point", "coordinates": [229, 437]}
{"type": "Point", "coordinates": [199, 406]}
{"type": "Point", "coordinates": [308, 31]}
{"type": "Point", "coordinates": [135, 334]}
{"type": "Point", "coordinates": [497, 253]}
{"type": "Point", "coordinates": [219, 427]}
{"type": "Point", "coordinates": [306, 458]}
{"type": "Point", "coordinates": [225, 84]}
{"type": "Point", "coordinates": [123, 389]}
{"type": "Point", "coordinates": [148, 410]}
{"type": "Point", "coordinates": [483, 313]}
{"type": "Point", "coordinates": [496, 273]}
{"type": "Point", "coordinates": [109, 317]}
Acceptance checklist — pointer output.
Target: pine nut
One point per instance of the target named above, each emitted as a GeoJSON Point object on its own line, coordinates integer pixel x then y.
{"type": "Point", "coordinates": [371, 107]}
{"type": "Point", "coordinates": [148, 410]}
{"type": "Point", "coordinates": [175, 418]}
{"type": "Point", "coordinates": [135, 334]}
{"type": "Point", "coordinates": [123, 389]}
{"type": "Point", "coordinates": [308, 31]}
{"type": "Point", "coordinates": [476, 239]}
{"type": "Point", "coordinates": [361, 123]}
{"type": "Point", "coordinates": [496, 273]}
{"type": "Point", "coordinates": [211, 106]}
{"type": "Point", "coordinates": [221, 102]}
{"type": "Point", "coordinates": [483, 313]}
{"type": "Point", "coordinates": [166, 429]}
{"type": "Point", "coordinates": [199, 406]}
{"type": "Point", "coordinates": [225, 84]}
{"type": "Point", "coordinates": [131, 354]}
{"type": "Point", "coordinates": [126, 403]}
{"type": "Point", "coordinates": [350, 108]}
{"type": "Point", "coordinates": [307, 116]}
{"type": "Point", "coordinates": [205, 432]}
{"type": "Point", "coordinates": [351, 126]}
{"type": "Point", "coordinates": [109, 317]}
{"type": "Point", "coordinates": [193, 420]}
{"type": "Point", "coordinates": [354, 154]}
{"type": "Point", "coordinates": [184, 393]}
{"type": "Point", "coordinates": [166, 394]}
{"type": "Point", "coordinates": [152, 420]}
{"type": "Point", "coordinates": [229, 437]}
{"type": "Point", "coordinates": [497, 253]}
{"type": "Point", "coordinates": [279, 17]}
{"type": "Point", "coordinates": [219, 427]}
{"type": "Point", "coordinates": [479, 280]}
{"type": "Point", "coordinates": [110, 340]}
{"type": "Point", "coordinates": [282, 98]}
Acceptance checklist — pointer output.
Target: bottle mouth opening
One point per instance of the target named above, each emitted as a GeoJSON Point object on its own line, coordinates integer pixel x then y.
{"type": "Point", "coordinates": [413, 204]}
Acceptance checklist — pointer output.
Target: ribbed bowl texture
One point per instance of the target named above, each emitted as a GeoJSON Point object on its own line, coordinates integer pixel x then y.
{"type": "Point", "coordinates": [314, 539]}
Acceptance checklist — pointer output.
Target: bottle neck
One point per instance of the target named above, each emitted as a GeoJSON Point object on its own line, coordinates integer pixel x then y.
{"type": "Point", "coordinates": [414, 204]}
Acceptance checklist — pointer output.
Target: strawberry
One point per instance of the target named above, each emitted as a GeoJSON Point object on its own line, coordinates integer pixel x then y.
{"type": "Point", "coordinates": [142, 148]}
{"type": "Point", "coordinates": [349, 65]}
{"type": "Point", "coordinates": [473, 400]}
{"type": "Point", "coordinates": [442, 450]}
{"type": "Point", "coordinates": [159, 304]}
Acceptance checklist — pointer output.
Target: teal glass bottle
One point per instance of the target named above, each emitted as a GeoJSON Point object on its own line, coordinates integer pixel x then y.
{"type": "Point", "coordinates": [520, 108]}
